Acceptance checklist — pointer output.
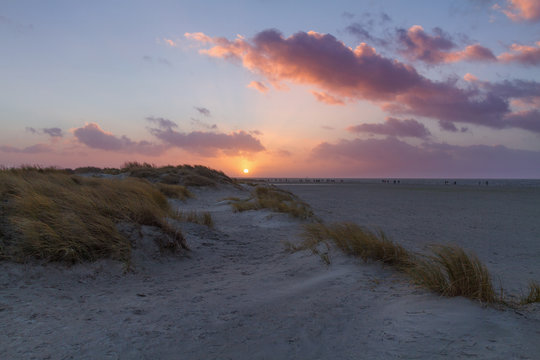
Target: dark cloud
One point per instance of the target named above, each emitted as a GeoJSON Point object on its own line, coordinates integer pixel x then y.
{"type": "Point", "coordinates": [394, 127]}
{"type": "Point", "coordinates": [53, 132]}
{"type": "Point", "coordinates": [162, 122]}
{"type": "Point", "coordinates": [392, 157]}
{"type": "Point", "coordinates": [34, 149]}
{"type": "Point", "coordinates": [203, 111]}
{"type": "Point", "coordinates": [94, 137]}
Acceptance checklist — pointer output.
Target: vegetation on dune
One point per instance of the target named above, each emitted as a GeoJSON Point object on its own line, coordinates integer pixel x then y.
{"type": "Point", "coordinates": [196, 217]}
{"type": "Point", "coordinates": [534, 294]}
{"type": "Point", "coordinates": [275, 199]}
{"type": "Point", "coordinates": [52, 215]}
{"type": "Point", "coordinates": [186, 175]}
{"type": "Point", "coordinates": [449, 270]}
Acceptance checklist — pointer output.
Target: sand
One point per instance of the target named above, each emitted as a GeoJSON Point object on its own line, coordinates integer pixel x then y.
{"type": "Point", "coordinates": [240, 295]}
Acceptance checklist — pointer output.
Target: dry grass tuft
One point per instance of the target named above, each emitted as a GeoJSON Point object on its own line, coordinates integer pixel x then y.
{"type": "Point", "coordinates": [357, 241]}
{"type": "Point", "coordinates": [449, 271]}
{"type": "Point", "coordinates": [54, 216]}
{"type": "Point", "coordinates": [174, 191]}
{"type": "Point", "coordinates": [275, 199]}
{"type": "Point", "coordinates": [201, 218]}
{"type": "Point", "coordinates": [534, 294]}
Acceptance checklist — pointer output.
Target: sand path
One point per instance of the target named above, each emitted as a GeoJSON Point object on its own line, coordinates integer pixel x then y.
{"type": "Point", "coordinates": [240, 295]}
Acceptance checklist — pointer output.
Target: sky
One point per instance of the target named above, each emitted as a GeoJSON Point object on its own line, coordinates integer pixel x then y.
{"type": "Point", "coordinates": [363, 89]}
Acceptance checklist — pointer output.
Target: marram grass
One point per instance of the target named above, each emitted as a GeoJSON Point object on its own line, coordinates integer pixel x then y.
{"type": "Point", "coordinates": [196, 217]}
{"type": "Point", "coordinates": [449, 270]}
{"type": "Point", "coordinates": [275, 199]}
{"type": "Point", "coordinates": [55, 216]}
{"type": "Point", "coordinates": [534, 294]}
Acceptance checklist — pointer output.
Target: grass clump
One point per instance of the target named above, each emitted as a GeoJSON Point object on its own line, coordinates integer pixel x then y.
{"type": "Point", "coordinates": [449, 270]}
{"type": "Point", "coordinates": [174, 191]}
{"type": "Point", "coordinates": [55, 216]}
{"type": "Point", "coordinates": [201, 218]}
{"type": "Point", "coordinates": [358, 241]}
{"type": "Point", "coordinates": [534, 294]}
{"type": "Point", "coordinates": [270, 197]}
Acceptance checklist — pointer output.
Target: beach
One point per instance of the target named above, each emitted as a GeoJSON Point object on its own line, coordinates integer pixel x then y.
{"type": "Point", "coordinates": [239, 294]}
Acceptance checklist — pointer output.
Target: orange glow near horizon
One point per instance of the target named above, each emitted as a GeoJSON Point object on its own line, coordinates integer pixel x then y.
{"type": "Point", "coordinates": [246, 171]}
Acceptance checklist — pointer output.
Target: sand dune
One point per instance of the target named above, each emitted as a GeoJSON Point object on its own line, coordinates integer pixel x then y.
{"type": "Point", "coordinates": [240, 295]}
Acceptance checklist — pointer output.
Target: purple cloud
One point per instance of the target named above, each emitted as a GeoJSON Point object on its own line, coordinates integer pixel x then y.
{"type": "Point", "coordinates": [394, 127]}
{"type": "Point", "coordinates": [53, 132]}
{"type": "Point", "coordinates": [34, 149]}
{"type": "Point", "coordinates": [209, 143]}
{"type": "Point", "coordinates": [325, 63]}
{"type": "Point", "coordinates": [416, 44]}
{"type": "Point", "coordinates": [392, 157]}
{"type": "Point", "coordinates": [94, 137]}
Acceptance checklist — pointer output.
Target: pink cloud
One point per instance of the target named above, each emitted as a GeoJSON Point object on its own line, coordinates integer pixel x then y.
{"type": "Point", "coordinates": [437, 48]}
{"type": "Point", "coordinates": [198, 36]}
{"type": "Point", "coordinates": [394, 127]}
{"type": "Point", "coordinates": [321, 60]}
{"type": "Point", "coordinates": [327, 64]}
{"type": "Point", "coordinates": [259, 86]}
{"type": "Point", "coordinates": [519, 10]}
{"type": "Point", "coordinates": [392, 157]}
{"type": "Point", "coordinates": [94, 137]}
{"type": "Point", "coordinates": [327, 99]}
{"type": "Point", "coordinates": [170, 42]}
{"type": "Point", "coordinates": [522, 54]}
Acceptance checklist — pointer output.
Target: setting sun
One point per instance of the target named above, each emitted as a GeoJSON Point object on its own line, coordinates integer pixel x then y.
{"type": "Point", "coordinates": [246, 171]}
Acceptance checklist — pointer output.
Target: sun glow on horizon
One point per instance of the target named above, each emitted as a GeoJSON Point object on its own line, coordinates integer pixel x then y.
{"type": "Point", "coordinates": [246, 171]}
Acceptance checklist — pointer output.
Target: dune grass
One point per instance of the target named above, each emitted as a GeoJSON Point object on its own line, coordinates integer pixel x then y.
{"type": "Point", "coordinates": [534, 294]}
{"type": "Point", "coordinates": [55, 216]}
{"type": "Point", "coordinates": [186, 175]}
{"type": "Point", "coordinates": [275, 199]}
{"type": "Point", "coordinates": [449, 270]}
{"type": "Point", "coordinates": [196, 217]}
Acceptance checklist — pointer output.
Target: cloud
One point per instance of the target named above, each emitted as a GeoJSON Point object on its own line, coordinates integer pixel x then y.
{"type": "Point", "coordinates": [520, 10]}
{"type": "Point", "coordinates": [34, 149]}
{"type": "Point", "coordinates": [437, 48]}
{"type": "Point", "coordinates": [203, 111]}
{"type": "Point", "coordinates": [162, 122]}
{"type": "Point", "coordinates": [327, 64]}
{"type": "Point", "coordinates": [198, 36]}
{"type": "Point", "coordinates": [470, 77]}
{"type": "Point", "coordinates": [259, 86]}
{"type": "Point", "coordinates": [53, 132]}
{"type": "Point", "coordinates": [522, 54]}
{"type": "Point", "coordinates": [159, 60]}
{"type": "Point", "coordinates": [208, 143]}
{"type": "Point", "coordinates": [94, 137]}
{"type": "Point", "coordinates": [203, 124]}
{"type": "Point", "coordinates": [170, 42]}
{"type": "Point", "coordinates": [392, 157]}
{"type": "Point", "coordinates": [394, 127]}
{"type": "Point", "coordinates": [321, 60]}
{"type": "Point", "coordinates": [327, 99]}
